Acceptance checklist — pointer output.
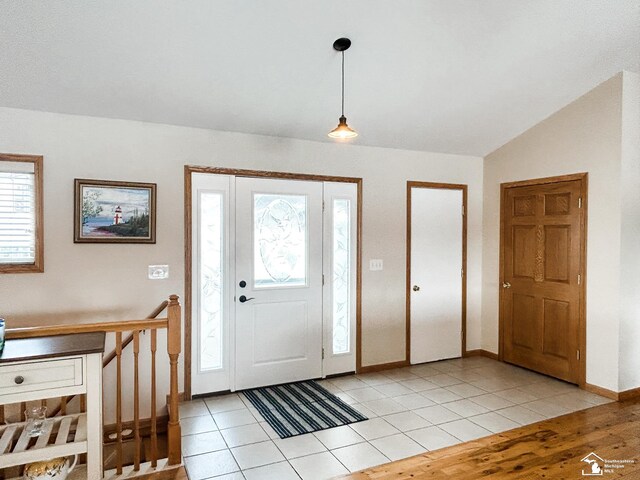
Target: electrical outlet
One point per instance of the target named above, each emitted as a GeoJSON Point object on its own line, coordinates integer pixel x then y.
{"type": "Point", "coordinates": [158, 272]}
{"type": "Point", "coordinates": [375, 265]}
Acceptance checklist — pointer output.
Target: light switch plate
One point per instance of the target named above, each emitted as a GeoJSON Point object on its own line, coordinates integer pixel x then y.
{"type": "Point", "coordinates": [375, 264]}
{"type": "Point", "coordinates": [158, 272]}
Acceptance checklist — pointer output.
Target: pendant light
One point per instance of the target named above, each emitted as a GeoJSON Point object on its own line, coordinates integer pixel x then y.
{"type": "Point", "coordinates": [342, 131]}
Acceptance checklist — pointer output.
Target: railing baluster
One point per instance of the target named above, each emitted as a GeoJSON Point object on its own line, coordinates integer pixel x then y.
{"type": "Point", "coordinates": [136, 401]}
{"type": "Point", "coordinates": [23, 409]}
{"type": "Point", "coordinates": [174, 341]}
{"type": "Point", "coordinates": [119, 401]}
{"type": "Point", "coordinates": [154, 431]}
{"type": "Point", "coordinates": [63, 407]}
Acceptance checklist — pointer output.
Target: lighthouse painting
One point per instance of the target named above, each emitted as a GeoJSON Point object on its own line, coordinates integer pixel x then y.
{"type": "Point", "coordinates": [114, 212]}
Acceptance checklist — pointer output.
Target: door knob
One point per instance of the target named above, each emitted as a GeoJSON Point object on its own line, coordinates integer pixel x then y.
{"type": "Point", "coordinates": [416, 288]}
{"type": "Point", "coordinates": [506, 285]}
{"type": "Point", "coordinates": [244, 299]}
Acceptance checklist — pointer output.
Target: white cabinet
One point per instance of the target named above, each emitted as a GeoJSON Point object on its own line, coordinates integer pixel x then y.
{"type": "Point", "coordinates": [54, 367]}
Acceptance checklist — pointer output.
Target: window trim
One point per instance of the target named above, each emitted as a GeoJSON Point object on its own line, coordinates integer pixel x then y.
{"type": "Point", "coordinates": [38, 265]}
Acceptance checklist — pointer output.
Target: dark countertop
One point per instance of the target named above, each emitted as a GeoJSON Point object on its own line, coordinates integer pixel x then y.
{"type": "Point", "coordinates": [23, 349]}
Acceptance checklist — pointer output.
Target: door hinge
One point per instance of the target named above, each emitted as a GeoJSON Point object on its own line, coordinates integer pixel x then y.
{"type": "Point", "coordinates": [462, 272]}
{"type": "Point", "coordinates": [323, 279]}
{"type": "Point", "coordinates": [323, 353]}
{"type": "Point", "coordinates": [323, 205]}
{"type": "Point", "coordinates": [579, 202]}
{"type": "Point", "coordinates": [579, 279]}
{"type": "Point", "coordinates": [463, 210]}
{"type": "Point", "coordinates": [578, 354]}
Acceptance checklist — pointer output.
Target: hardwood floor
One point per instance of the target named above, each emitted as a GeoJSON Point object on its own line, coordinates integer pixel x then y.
{"type": "Point", "coordinates": [552, 449]}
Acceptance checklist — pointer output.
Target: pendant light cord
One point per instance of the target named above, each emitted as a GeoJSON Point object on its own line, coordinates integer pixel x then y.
{"type": "Point", "coordinates": [342, 83]}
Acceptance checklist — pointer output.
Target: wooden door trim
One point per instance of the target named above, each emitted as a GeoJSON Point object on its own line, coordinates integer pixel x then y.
{"type": "Point", "coordinates": [444, 186]}
{"type": "Point", "coordinates": [188, 293]}
{"type": "Point", "coordinates": [582, 309]}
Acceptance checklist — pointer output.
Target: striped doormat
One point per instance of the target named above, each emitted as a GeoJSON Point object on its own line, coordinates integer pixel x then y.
{"type": "Point", "coordinates": [302, 407]}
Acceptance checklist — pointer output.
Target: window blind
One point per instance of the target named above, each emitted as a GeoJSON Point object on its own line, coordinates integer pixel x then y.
{"type": "Point", "coordinates": [17, 217]}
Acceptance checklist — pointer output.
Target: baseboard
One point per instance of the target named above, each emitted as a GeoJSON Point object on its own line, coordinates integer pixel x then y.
{"type": "Point", "coordinates": [182, 397]}
{"type": "Point", "coordinates": [481, 353]}
{"type": "Point", "coordinates": [383, 366]}
{"type": "Point", "coordinates": [603, 392]}
{"type": "Point", "coordinates": [629, 394]}
{"type": "Point", "coordinates": [619, 396]}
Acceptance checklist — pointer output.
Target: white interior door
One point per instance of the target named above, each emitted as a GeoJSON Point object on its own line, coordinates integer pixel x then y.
{"type": "Point", "coordinates": [278, 281]}
{"type": "Point", "coordinates": [436, 274]}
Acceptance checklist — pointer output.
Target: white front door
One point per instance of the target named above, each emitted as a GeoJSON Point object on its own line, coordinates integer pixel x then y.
{"type": "Point", "coordinates": [278, 281]}
{"type": "Point", "coordinates": [436, 274]}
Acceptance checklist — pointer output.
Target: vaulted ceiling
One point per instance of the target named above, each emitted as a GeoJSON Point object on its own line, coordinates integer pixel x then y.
{"type": "Point", "coordinates": [459, 76]}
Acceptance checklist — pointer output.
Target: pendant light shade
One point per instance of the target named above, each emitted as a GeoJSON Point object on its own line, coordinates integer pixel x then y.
{"type": "Point", "coordinates": [342, 131]}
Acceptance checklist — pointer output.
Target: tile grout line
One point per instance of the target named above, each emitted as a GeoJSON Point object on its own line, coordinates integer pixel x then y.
{"type": "Point", "coordinates": [504, 375]}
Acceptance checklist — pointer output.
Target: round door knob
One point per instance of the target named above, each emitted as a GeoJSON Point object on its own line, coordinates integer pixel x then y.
{"type": "Point", "coordinates": [19, 379]}
{"type": "Point", "coordinates": [416, 288]}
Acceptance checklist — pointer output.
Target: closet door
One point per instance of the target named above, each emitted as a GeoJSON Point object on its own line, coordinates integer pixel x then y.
{"type": "Point", "coordinates": [436, 273]}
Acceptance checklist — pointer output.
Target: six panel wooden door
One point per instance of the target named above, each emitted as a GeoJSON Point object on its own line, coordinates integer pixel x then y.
{"type": "Point", "coordinates": [542, 241]}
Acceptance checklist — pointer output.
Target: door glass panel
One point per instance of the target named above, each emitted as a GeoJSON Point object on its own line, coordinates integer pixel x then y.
{"type": "Point", "coordinates": [211, 280]}
{"type": "Point", "coordinates": [280, 240]}
{"type": "Point", "coordinates": [341, 267]}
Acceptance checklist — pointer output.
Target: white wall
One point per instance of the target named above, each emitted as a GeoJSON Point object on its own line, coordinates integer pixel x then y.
{"type": "Point", "coordinates": [630, 236]}
{"type": "Point", "coordinates": [85, 282]}
{"type": "Point", "coordinates": [584, 136]}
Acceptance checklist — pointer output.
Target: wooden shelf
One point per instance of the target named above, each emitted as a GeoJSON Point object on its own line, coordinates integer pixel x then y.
{"type": "Point", "coordinates": [61, 436]}
{"type": "Point", "coordinates": [79, 473]}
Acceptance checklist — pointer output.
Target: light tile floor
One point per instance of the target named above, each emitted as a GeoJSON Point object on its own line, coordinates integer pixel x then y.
{"type": "Point", "coordinates": [410, 410]}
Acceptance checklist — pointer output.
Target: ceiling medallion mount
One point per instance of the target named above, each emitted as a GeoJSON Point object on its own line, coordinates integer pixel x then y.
{"type": "Point", "coordinates": [341, 44]}
{"type": "Point", "coordinates": [342, 131]}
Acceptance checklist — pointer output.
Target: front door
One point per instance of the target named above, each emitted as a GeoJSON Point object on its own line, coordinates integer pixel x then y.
{"type": "Point", "coordinates": [278, 281]}
{"type": "Point", "coordinates": [542, 242]}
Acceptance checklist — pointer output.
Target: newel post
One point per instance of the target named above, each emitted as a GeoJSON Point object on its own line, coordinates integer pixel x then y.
{"type": "Point", "coordinates": [174, 342]}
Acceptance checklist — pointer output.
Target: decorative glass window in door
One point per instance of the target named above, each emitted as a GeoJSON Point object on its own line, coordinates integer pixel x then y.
{"type": "Point", "coordinates": [341, 267]}
{"type": "Point", "coordinates": [211, 280]}
{"type": "Point", "coordinates": [280, 240]}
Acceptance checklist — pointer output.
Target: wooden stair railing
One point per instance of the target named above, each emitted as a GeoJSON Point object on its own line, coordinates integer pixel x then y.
{"type": "Point", "coordinates": [112, 354]}
{"type": "Point", "coordinates": [109, 357]}
{"type": "Point", "coordinates": [172, 323]}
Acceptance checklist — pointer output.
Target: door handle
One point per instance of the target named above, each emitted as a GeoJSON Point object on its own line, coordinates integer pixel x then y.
{"type": "Point", "coordinates": [416, 288]}
{"type": "Point", "coordinates": [243, 299]}
{"type": "Point", "coordinates": [506, 285]}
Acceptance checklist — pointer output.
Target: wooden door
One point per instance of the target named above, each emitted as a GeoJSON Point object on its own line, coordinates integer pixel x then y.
{"type": "Point", "coordinates": [543, 235]}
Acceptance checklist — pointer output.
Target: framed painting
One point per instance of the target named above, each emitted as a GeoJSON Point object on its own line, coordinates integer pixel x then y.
{"type": "Point", "coordinates": [114, 212]}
